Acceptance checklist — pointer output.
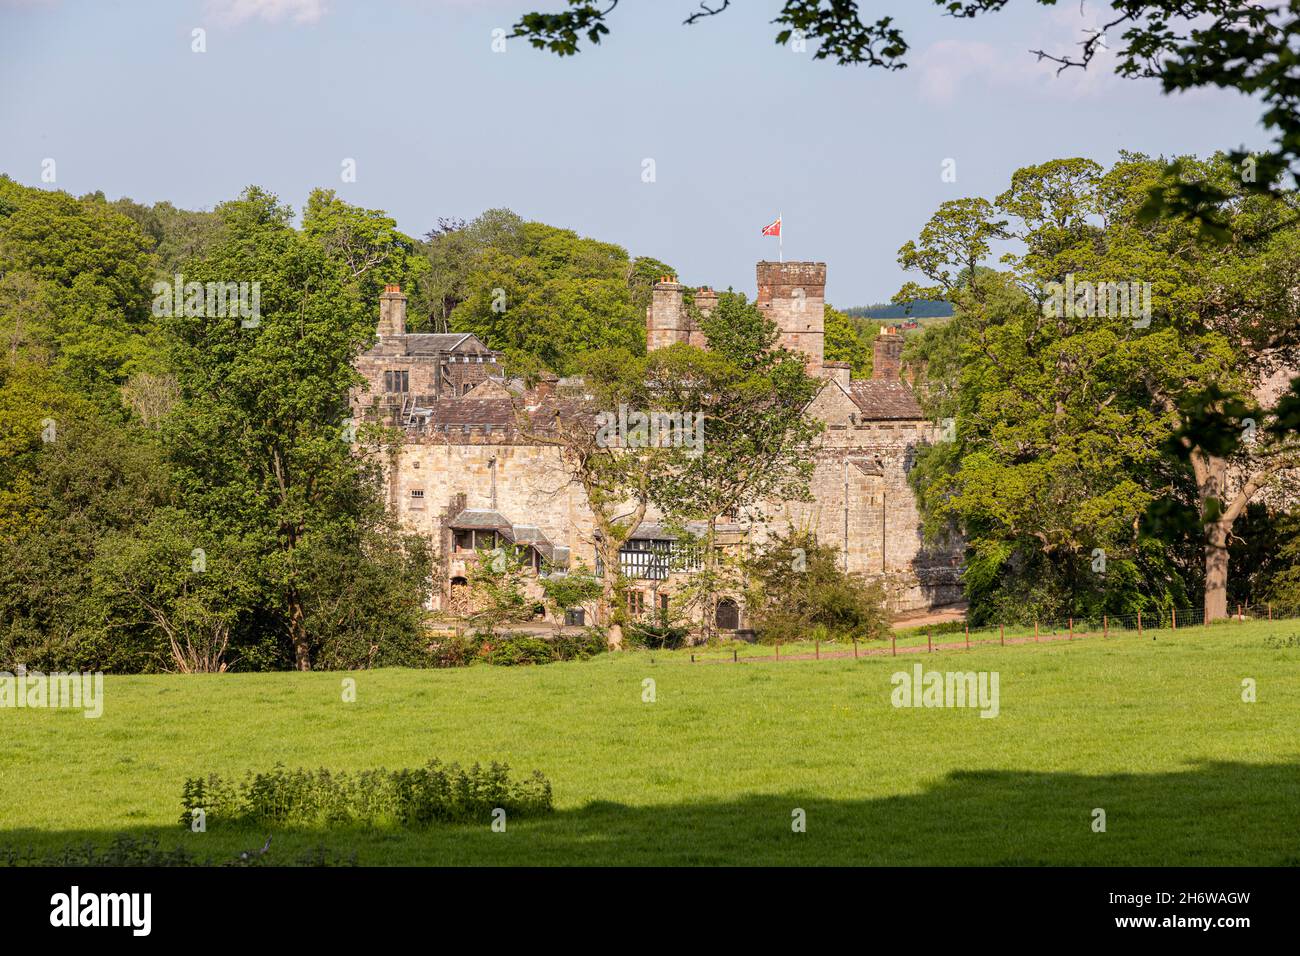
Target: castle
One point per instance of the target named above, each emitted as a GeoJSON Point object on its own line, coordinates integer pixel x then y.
{"type": "Point", "coordinates": [466, 477]}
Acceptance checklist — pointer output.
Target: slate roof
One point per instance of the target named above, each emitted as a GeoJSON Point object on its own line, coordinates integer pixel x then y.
{"type": "Point", "coordinates": [426, 343]}
{"type": "Point", "coordinates": [456, 412]}
{"type": "Point", "coordinates": [480, 519]}
{"type": "Point", "coordinates": [884, 400]}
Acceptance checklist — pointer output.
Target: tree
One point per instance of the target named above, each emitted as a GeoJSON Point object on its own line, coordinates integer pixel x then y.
{"type": "Point", "coordinates": [75, 492]}
{"type": "Point", "coordinates": [552, 294]}
{"type": "Point", "coordinates": [1207, 43]}
{"type": "Point", "coordinates": [74, 290]}
{"type": "Point", "coordinates": [796, 585]}
{"type": "Point", "coordinates": [756, 448]}
{"type": "Point", "coordinates": [574, 587]}
{"type": "Point", "coordinates": [845, 342]}
{"type": "Point", "coordinates": [262, 451]}
{"type": "Point", "coordinates": [615, 471]}
{"type": "Point", "coordinates": [184, 590]}
{"type": "Point", "coordinates": [498, 589]}
{"type": "Point", "coordinates": [1079, 410]}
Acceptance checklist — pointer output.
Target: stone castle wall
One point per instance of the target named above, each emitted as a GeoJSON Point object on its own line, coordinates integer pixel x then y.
{"type": "Point", "coordinates": [467, 454]}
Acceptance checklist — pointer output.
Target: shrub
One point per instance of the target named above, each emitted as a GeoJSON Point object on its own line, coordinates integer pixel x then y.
{"type": "Point", "coordinates": [797, 590]}
{"type": "Point", "coordinates": [657, 636]}
{"type": "Point", "coordinates": [413, 798]}
{"type": "Point", "coordinates": [510, 649]}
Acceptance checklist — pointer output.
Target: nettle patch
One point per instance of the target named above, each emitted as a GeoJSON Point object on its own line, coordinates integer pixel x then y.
{"type": "Point", "coordinates": [412, 798]}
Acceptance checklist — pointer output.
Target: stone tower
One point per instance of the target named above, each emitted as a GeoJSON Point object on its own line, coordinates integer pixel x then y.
{"type": "Point", "coordinates": [665, 319]}
{"type": "Point", "coordinates": [793, 295]}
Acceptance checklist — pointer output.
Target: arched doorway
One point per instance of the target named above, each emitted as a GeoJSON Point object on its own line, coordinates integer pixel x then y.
{"type": "Point", "coordinates": [727, 616]}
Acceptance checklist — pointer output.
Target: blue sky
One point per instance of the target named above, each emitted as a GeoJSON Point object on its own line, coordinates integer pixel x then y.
{"type": "Point", "coordinates": [440, 125]}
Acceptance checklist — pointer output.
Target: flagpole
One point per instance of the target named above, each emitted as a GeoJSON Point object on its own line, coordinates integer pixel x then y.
{"type": "Point", "coordinates": [780, 237]}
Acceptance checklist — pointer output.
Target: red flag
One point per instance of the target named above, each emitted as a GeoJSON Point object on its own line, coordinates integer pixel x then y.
{"type": "Point", "coordinates": [774, 229]}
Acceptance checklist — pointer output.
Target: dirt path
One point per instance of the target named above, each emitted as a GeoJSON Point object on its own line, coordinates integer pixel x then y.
{"type": "Point", "coordinates": [940, 615]}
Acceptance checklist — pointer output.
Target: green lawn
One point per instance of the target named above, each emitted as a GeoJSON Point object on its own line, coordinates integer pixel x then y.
{"type": "Point", "coordinates": [1154, 732]}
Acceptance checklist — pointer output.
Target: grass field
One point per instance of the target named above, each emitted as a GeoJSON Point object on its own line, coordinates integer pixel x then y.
{"type": "Point", "coordinates": [1155, 732]}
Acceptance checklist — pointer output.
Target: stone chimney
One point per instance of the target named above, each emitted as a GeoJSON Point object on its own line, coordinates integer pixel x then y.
{"type": "Point", "coordinates": [887, 358]}
{"type": "Point", "coordinates": [793, 295]}
{"type": "Point", "coordinates": [545, 387]}
{"type": "Point", "coordinates": [839, 371]}
{"type": "Point", "coordinates": [392, 311]}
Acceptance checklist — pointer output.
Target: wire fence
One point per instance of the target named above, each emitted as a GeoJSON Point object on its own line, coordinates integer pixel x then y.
{"type": "Point", "coordinates": [957, 636]}
{"type": "Point", "coordinates": [1141, 622]}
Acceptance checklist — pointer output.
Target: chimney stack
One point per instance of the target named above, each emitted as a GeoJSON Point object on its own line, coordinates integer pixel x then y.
{"type": "Point", "coordinates": [841, 372]}
{"type": "Point", "coordinates": [887, 357]}
{"type": "Point", "coordinates": [392, 311]}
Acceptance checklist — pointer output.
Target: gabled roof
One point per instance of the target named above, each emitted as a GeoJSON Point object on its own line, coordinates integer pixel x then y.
{"type": "Point", "coordinates": [880, 399]}
{"type": "Point", "coordinates": [427, 343]}
{"type": "Point", "coordinates": [480, 519]}
{"type": "Point", "coordinates": [528, 535]}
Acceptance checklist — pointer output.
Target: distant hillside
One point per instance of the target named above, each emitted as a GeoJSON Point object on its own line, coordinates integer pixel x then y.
{"type": "Point", "coordinates": [921, 309]}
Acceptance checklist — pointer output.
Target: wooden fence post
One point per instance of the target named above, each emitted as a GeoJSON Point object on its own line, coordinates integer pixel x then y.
{"type": "Point", "coordinates": [1139, 623]}
{"type": "Point", "coordinates": [893, 642]}
{"type": "Point", "coordinates": [1174, 611]}
{"type": "Point", "coordinates": [1070, 636]}
{"type": "Point", "coordinates": [817, 648]}
{"type": "Point", "coordinates": [1002, 635]}
{"type": "Point", "coordinates": [966, 628]}
{"type": "Point", "coordinates": [1240, 617]}
{"type": "Point", "coordinates": [855, 648]}
{"type": "Point", "coordinates": [1105, 625]}
{"type": "Point", "coordinates": [1035, 630]}
{"type": "Point", "coordinates": [929, 644]}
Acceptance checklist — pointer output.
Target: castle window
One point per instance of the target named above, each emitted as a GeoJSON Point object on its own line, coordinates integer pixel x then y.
{"type": "Point", "coordinates": [417, 497]}
{"type": "Point", "coordinates": [397, 381]}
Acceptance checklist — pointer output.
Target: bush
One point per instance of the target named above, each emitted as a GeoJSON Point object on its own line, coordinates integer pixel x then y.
{"type": "Point", "coordinates": [412, 798]}
{"type": "Point", "coordinates": [657, 637]}
{"type": "Point", "coordinates": [798, 591]}
{"type": "Point", "coordinates": [512, 649]}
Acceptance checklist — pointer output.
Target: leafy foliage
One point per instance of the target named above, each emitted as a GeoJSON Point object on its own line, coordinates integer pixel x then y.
{"type": "Point", "coordinates": [797, 588]}
{"type": "Point", "coordinates": [412, 798]}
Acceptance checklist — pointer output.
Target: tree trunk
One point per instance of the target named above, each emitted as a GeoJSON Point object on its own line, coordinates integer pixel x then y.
{"type": "Point", "coordinates": [710, 609]}
{"type": "Point", "coordinates": [298, 634]}
{"type": "Point", "coordinates": [1216, 569]}
{"type": "Point", "coordinates": [608, 592]}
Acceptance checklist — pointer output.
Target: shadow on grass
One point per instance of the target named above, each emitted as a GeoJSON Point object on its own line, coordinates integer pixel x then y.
{"type": "Point", "coordinates": [1211, 814]}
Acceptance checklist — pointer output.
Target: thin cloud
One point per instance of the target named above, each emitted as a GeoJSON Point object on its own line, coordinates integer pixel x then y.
{"type": "Point", "coordinates": [235, 12]}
